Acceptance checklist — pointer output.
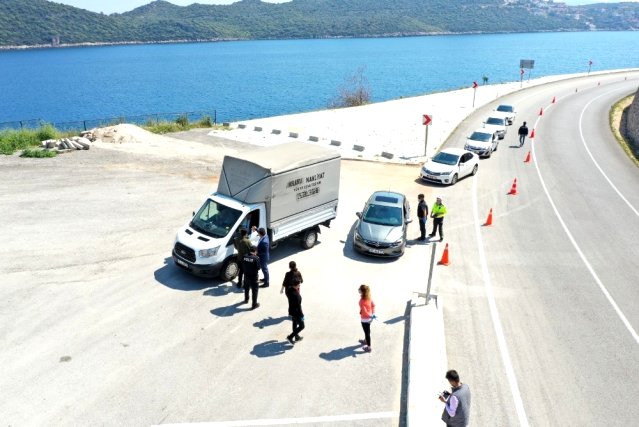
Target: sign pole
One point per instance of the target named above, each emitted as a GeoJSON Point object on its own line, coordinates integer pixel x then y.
{"type": "Point", "coordinates": [426, 142]}
{"type": "Point", "coordinates": [474, 92]}
{"type": "Point", "coordinates": [430, 272]}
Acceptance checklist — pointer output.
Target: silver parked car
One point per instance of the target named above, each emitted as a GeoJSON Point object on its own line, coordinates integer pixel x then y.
{"type": "Point", "coordinates": [381, 227]}
{"type": "Point", "coordinates": [482, 142]}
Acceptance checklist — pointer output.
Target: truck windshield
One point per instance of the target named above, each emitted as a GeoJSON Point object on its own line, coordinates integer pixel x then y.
{"type": "Point", "coordinates": [215, 219]}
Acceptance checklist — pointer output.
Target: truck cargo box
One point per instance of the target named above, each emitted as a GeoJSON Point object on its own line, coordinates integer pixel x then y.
{"type": "Point", "coordinates": [291, 179]}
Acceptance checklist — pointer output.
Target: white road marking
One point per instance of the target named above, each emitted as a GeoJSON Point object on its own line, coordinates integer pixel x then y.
{"type": "Point", "coordinates": [583, 141]}
{"type": "Point", "coordinates": [289, 421]}
{"type": "Point", "coordinates": [602, 287]}
{"type": "Point", "coordinates": [494, 314]}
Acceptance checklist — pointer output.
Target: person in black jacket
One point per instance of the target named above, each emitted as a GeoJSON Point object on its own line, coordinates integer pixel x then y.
{"type": "Point", "coordinates": [295, 311]}
{"type": "Point", "coordinates": [523, 133]}
{"type": "Point", "coordinates": [290, 277]}
{"type": "Point", "coordinates": [250, 267]}
{"type": "Point", "coordinates": [422, 216]}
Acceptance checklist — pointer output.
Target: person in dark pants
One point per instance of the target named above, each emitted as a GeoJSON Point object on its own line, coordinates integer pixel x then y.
{"type": "Point", "coordinates": [523, 133]}
{"type": "Point", "coordinates": [295, 311]}
{"type": "Point", "coordinates": [251, 266]}
{"type": "Point", "coordinates": [457, 410]}
{"type": "Point", "coordinates": [437, 213]}
{"type": "Point", "coordinates": [263, 249]}
{"type": "Point", "coordinates": [422, 216]}
{"type": "Point", "coordinates": [243, 246]}
{"type": "Point", "coordinates": [290, 276]}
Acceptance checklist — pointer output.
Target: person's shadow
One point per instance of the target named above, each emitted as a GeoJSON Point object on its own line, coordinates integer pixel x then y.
{"type": "Point", "coordinates": [229, 310]}
{"type": "Point", "coordinates": [270, 321]}
{"type": "Point", "coordinates": [342, 353]}
{"type": "Point", "coordinates": [271, 348]}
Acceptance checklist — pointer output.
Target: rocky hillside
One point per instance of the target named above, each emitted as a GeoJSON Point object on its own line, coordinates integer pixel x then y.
{"type": "Point", "coordinates": [39, 22]}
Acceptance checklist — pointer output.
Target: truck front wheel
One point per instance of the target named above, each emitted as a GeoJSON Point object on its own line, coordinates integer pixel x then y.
{"type": "Point", "coordinates": [230, 268]}
{"type": "Point", "coordinates": [309, 238]}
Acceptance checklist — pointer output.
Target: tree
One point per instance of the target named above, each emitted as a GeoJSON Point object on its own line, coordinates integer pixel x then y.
{"type": "Point", "coordinates": [354, 91]}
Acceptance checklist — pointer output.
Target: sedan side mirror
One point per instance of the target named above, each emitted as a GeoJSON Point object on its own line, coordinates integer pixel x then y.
{"type": "Point", "coordinates": [359, 215]}
{"type": "Point", "coordinates": [193, 214]}
{"type": "Point", "coordinates": [408, 221]}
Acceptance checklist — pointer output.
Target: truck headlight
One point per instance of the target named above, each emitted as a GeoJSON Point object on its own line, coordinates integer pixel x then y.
{"type": "Point", "coordinates": [208, 253]}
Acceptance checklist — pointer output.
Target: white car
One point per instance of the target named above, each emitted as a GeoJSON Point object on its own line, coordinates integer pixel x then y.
{"type": "Point", "coordinates": [449, 165]}
{"type": "Point", "coordinates": [507, 111]}
{"type": "Point", "coordinates": [496, 125]}
{"type": "Point", "coordinates": [482, 143]}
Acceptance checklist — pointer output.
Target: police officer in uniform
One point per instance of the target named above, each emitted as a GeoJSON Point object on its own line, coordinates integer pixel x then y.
{"type": "Point", "coordinates": [243, 246]}
{"type": "Point", "coordinates": [437, 214]}
{"type": "Point", "coordinates": [250, 267]}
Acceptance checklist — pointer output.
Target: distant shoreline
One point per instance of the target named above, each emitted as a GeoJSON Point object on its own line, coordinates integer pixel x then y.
{"type": "Point", "coordinates": [230, 39]}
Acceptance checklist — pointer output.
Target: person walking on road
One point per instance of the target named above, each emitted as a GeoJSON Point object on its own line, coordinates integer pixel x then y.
{"type": "Point", "coordinates": [437, 213]}
{"type": "Point", "coordinates": [457, 410]}
{"type": "Point", "coordinates": [263, 251]}
{"type": "Point", "coordinates": [523, 133]}
{"type": "Point", "coordinates": [243, 246]}
{"type": "Point", "coordinates": [367, 314]}
{"type": "Point", "coordinates": [295, 311]}
{"type": "Point", "coordinates": [422, 216]}
{"type": "Point", "coordinates": [251, 267]}
{"type": "Point", "coordinates": [290, 277]}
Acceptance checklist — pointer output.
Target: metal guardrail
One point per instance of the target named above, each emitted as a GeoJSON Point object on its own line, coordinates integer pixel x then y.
{"type": "Point", "coordinates": [144, 119]}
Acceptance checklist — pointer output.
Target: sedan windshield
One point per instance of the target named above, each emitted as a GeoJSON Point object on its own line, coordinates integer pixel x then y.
{"type": "Point", "coordinates": [505, 108]}
{"type": "Point", "coordinates": [495, 121]}
{"type": "Point", "coordinates": [446, 158]}
{"type": "Point", "coordinates": [481, 136]}
{"type": "Point", "coordinates": [215, 219]}
{"type": "Point", "coordinates": [383, 215]}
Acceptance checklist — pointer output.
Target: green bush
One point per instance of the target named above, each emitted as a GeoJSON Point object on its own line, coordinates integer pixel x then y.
{"type": "Point", "coordinates": [163, 127]}
{"type": "Point", "coordinates": [47, 131]}
{"type": "Point", "coordinates": [183, 121]}
{"type": "Point", "coordinates": [37, 153]}
{"type": "Point", "coordinates": [205, 122]}
{"type": "Point", "coordinates": [12, 140]}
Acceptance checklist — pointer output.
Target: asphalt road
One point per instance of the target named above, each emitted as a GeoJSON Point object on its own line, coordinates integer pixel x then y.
{"type": "Point", "coordinates": [98, 327]}
{"type": "Point", "coordinates": [542, 312]}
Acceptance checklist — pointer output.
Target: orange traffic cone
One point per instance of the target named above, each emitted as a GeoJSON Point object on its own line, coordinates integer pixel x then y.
{"type": "Point", "coordinates": [489, 220]}
{"type": "Point", "coordinates": [444, 260]}
{"type": "Point", "coordinates": [513, 188]}
{"type": "Point", "coordinates": [541, 111]}
{"type": "Point", "coordinates": [532, 134]}
{"type": "Point", "coordinates": [527, 158]}
{"type": "Point", "coordinates": [553, 99]}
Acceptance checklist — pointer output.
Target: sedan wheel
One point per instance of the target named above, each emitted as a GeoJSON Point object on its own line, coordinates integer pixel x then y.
{"type": "Point", "coordinates": [454, 180]}
{"type": "Point", "coordinates": [474, 170]}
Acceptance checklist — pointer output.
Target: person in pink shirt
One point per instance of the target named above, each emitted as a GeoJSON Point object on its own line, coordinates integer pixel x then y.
{"type": "Point", "coordinates": [367, 314]}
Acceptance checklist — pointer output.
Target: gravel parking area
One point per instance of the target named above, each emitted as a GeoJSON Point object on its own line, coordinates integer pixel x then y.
{"type": "Point", "coordinates": [99, 327]}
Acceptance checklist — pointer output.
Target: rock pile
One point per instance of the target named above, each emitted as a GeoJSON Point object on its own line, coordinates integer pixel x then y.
{"type": "Point", "coordinates": [82, 142]}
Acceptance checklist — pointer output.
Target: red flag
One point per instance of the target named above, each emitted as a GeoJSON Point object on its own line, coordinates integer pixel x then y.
{"type": "Point", "coordinates": [475, 85]}
{"type": "Point", "coordinates": [521, 72]}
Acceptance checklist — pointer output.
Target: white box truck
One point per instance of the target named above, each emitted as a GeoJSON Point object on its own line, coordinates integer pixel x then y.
{"type": "Point", "coordinates": [288, 189]}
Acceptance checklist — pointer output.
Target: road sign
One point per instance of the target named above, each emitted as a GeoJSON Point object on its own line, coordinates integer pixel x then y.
{"type": "Point", "coordinates": [527, 63]}
{"type": "Point", "coordinates": [475, 85]}
{"type": "Point", "coordinates": [427, 119]}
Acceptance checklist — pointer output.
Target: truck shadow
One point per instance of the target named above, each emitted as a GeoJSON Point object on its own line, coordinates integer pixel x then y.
{"type": "Point", "coordinates": [351, 253]}
{"type": "Point", "coordinates": [173, 277]}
